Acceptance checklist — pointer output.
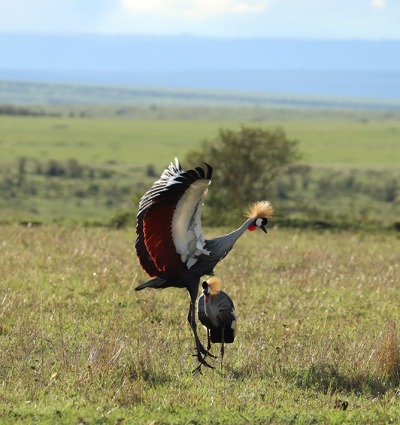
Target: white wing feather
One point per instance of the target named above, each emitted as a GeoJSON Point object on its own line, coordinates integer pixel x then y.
{"type": "Point", "coordinates": [187, 233]}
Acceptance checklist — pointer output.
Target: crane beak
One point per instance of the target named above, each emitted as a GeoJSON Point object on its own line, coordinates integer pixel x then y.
{"type": "Point", "coordinates": [263, 229]}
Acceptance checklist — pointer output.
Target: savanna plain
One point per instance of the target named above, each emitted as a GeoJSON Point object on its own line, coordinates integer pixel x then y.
{"type": "Point", "coordinates": [318, 309]}
{"type": "Point", "coordinates": [317, 331]}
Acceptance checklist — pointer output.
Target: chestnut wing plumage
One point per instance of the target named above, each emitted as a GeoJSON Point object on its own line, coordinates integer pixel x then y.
{"type": "Point", "coordinates": [169, 234]}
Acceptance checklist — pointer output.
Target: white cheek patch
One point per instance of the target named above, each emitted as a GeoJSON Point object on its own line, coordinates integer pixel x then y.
{"type": "Point", "coordinates": [259, 222]}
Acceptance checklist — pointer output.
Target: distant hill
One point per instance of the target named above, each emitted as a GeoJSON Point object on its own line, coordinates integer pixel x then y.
{"type": "Point", "coordinates": [357, 68]}
{"type": "Point", "coordinates": [59, 95]}
{"type": "Point", "coordinates": [179, 53]}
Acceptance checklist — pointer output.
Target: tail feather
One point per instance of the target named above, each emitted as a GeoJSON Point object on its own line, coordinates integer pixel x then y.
{"type": "Point", "coordinates": [157, 282]}
{"type": "Point", "coordinates": [216, 334]}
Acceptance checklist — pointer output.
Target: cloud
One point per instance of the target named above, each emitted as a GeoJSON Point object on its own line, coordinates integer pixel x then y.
{"type": "Point", "coordinates": [378, 4]}
{"type": "Point", "coordinates": [196, 8]}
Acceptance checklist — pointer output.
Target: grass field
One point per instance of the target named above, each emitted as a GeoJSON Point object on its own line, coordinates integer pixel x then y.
{"type": "Point", "coordinates": [98, 141]}
{"type": "Point", "coordinates": [354, 159]}
{"type": "Point", "coordinates": [365, 140]}
{"type": "Point", "coordinates": [317, 323]}
{"type": "Point", "coordinates": [317, 311]}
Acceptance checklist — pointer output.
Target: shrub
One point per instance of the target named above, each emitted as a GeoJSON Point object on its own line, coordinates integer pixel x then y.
{"type": "Point", "coordinates": [246, 162]}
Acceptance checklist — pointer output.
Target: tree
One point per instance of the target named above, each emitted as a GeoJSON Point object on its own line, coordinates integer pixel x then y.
{"type": "Point", "coordinates": [245, 161]}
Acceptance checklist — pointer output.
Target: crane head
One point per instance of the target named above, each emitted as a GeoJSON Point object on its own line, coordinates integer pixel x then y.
{"type": "Point", "coordinates": [211, 287]}
{"type": "Point", "coordinates": [260, 212]}
{"type": "Point", "coordinates": [206, 291]}
{"type": "Point", "coordinates": [259, 222]}
{"type": "Point", "coordinates": [206, 288]}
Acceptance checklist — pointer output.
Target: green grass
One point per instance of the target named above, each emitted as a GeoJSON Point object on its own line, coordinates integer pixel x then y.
{"type": "Point", "coordinates": [95, 141]}
{"type": "Point", "coordinates": [370, 144]}
{"type": "Point", "coordinates": [140, 142]}
{"type": "Point", "coordinates": [317, 323]}
{"type": "Point", "coordinates": [355, 144]}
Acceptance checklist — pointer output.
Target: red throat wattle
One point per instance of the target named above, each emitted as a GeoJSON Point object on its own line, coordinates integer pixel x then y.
{"type": "Point", "coordinates": [206, 297]}
{"type": "Point", "coordinates": [252, 227]}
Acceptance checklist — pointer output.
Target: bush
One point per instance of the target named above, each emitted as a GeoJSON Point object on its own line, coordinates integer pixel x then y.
{"type": "Point", "coordinates": [122, 220]}
{"type": "Point", "coordinates": [245, 163]}
{"type": "Point", "coordinates": [55, 168]}
{"type": "Point", "coordinates": [73, 169]}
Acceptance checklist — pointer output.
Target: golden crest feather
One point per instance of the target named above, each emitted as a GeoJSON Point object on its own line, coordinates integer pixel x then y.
{"type": "Point", "coordinates": [215, 285]}
{"type": "Point", "coordinates": [260, 209]}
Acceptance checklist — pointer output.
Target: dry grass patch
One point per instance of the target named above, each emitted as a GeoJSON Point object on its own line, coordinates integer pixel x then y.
{"type": "Point", "coordinates": [317, 323]}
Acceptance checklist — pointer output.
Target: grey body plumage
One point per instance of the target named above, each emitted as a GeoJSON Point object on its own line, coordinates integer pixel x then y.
{"type": "Point", "coordinates": [216, 312]}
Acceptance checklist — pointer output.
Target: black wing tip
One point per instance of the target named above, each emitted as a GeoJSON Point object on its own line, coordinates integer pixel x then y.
{"type": "Point", "coordinates": [209, 170]}
{"type": "Point", "coordinates": [157, 282]}
{"type": "Point", "coordinates": [199, 172]}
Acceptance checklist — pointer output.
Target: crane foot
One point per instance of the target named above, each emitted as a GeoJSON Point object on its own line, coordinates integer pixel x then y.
{"type": "Point", "coordinates": [197, 370]}
{"type": "Point", "coordinates": [202, 362]}
{"type": "Point", "coordinates": [206, 353]}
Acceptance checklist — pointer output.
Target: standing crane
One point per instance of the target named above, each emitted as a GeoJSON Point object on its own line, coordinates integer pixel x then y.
{"type": "Point", "coordinates": [170, 243]}
{"type": "Point", "coordinates": [216, 312]}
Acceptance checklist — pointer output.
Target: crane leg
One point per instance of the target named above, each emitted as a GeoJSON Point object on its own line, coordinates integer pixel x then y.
{"type": "Point", "coordinates": [209, 345]}
{"type": "Point", "coordinates": [208, 340]}
{"type": "Point", "coordinates": [199, 347]}
{"type": "Point", "coordinates": [222, 347]}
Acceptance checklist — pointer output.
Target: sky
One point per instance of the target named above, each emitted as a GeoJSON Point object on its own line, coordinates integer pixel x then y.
{"type": "Point", "coordinates": [315, 19]}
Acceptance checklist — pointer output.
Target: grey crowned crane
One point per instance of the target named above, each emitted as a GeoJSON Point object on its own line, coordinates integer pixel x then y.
{"type": "Point", "coordinates": [216, 312]}
{"type": "Point", "coordinates": [170, 243]}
